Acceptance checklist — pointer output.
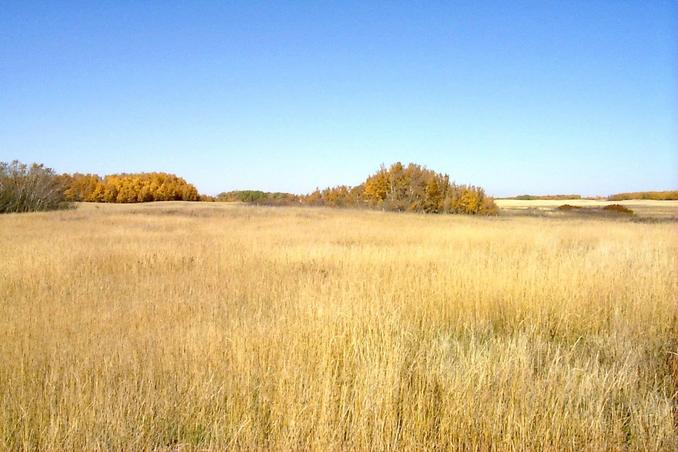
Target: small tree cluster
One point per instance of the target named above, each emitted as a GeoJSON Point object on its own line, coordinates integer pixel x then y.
{"type": "Point", "coordinates": [127, 188]}
{"type": "Point", "coordinates": [29, 188]}
{"type": "Point", "coordinates": [411, 188]}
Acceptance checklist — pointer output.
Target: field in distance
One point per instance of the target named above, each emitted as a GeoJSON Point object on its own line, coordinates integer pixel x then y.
{"type": "Point", "coordinates": [642, 208]}
{"type": "Point", "coordinates": [207, 325]}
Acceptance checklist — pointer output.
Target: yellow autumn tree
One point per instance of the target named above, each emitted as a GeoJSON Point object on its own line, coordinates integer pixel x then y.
{"type": "Point", "coordinates": [433, 201]}
{"type": "Point", "coordinates": [128, 188]}
{"type": "Point", "coordinates": [376, 187]}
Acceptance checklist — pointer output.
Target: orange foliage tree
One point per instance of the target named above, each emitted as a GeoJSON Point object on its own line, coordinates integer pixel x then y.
{"type": "Point", "coordinates": [127, 188]}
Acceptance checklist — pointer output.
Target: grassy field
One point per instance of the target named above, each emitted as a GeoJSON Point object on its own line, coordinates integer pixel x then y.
{"type": "Point", "coordinates": [642, 208]}
{"type": "Point", "coordinates": [193, 326]}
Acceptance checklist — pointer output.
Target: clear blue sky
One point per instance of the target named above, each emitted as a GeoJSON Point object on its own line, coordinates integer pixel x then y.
{"type": "Point", "coordinates": [518, 97]}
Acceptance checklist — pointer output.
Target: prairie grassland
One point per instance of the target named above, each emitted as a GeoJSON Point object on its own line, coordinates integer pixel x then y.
{"type": "Point", "coordinates": [642, 207]}
{"type": "Point", "coordinates": [196, 326]}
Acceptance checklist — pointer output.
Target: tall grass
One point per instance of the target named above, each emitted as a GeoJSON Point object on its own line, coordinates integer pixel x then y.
{"type": "Point", "coordinates": [214, 326]}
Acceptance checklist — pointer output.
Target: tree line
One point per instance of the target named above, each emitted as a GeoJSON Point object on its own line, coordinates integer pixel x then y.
{"type": "Point", "coordinates": [411, 188]}
{"type": "Point", "coordinates": [127, 188]}
{"type": "Point", "coordinates": [671, 195]}
{"type": "Point", "coordinates": [259, 197]}
{"type": "Point", "coordinates": [398, 187]}
{"type": "Point", "coordinates": [34, 187]}
{"type": "Point", "coordinates": [650, 195]}
{"type": "Point", "coordinates": [544, 197]}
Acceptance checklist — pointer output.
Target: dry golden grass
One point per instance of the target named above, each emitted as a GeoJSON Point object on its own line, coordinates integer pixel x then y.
{"type": "Point", "coordinates": [199, 326]}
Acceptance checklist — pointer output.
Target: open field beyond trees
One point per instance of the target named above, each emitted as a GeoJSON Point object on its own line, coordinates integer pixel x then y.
{"type": "Point", "coordinates": [643, 208]}
{"type": "Point", "coordinates": [210, 325]}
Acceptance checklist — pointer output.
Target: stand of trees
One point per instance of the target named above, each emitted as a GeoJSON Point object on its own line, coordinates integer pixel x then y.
{"type": "Point", "coordinates": [29, 188]}
{"type": "Point", "coordinates": [26, 188]}
{"type": "Point", "coordinates": [411, 188]}
{"type": "Point", "coordinates": [339, 196]}
{"type": "Point", "coordinates": [127, 188]}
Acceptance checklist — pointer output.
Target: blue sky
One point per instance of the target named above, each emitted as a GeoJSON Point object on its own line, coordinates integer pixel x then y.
{"type": "Point", "coordinates": [518, 97]}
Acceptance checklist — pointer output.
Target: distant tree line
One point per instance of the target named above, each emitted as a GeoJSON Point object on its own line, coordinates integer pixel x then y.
{"type": "Point", "coordinates": [671, 195]}
{"type": "Point", "coordinates": [259, 197]}
{"type": "Point", "coordinates": [652, 195]}
{"type": "Point", "coordinates": [411, 188]}
{"type": "Point", "coordinates": [544, 197]}
{"type": "Point", "coordinates": [27, 188]}
{"type": "Point", "coordinates": [127, 188]}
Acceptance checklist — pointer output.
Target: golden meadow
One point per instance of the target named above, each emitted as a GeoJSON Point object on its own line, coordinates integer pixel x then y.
{"type": "Point", "coordinates": [215, 326]}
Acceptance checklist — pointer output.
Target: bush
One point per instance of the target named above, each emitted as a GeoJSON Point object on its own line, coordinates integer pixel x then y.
{"type": "Point", "coordinates": [568, 207]}
{"type": "Point", "coordinates": [25, 188]}
{"type": "Point", "coordinates": [618, 208]}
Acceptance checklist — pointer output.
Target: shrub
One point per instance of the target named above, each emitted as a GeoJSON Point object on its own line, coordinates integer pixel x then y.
{"type": "Point", "coordinates": [29, 188]}
{"type": "Point", "coordinates": [618, 208]}
{"type": "Point", "coordinates": [568, 207]}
